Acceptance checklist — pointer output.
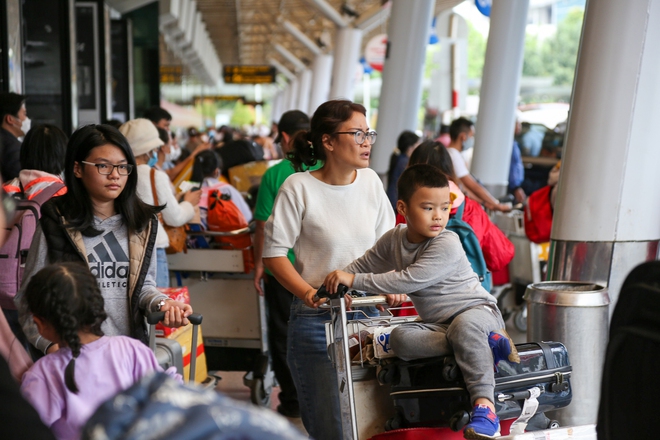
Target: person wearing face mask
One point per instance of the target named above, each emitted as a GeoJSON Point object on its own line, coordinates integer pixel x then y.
{"type": "Point", "coordinates": [14, 124]}
{"type": "Point", "coordinates": [461, 132]}
{"type": "Point", "coordinates": [144, 140]}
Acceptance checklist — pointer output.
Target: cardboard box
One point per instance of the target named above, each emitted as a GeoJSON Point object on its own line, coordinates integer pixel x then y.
{"type": "Point", "coordinates": [183, 336]}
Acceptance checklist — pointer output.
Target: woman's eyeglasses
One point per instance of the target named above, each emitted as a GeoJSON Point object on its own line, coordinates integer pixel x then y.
{"type": "Point", "coordinates": [361, 136]}
{"type": "Point", "coordinates": [106, 169]}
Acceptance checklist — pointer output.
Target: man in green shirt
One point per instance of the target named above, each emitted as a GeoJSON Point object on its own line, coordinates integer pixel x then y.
{"type": "Point", "coordinates": [278, 299]}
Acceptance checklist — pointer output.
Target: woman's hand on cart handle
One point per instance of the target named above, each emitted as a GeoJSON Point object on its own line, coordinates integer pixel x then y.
{"type": "Point", "coordinates": [312, 300]}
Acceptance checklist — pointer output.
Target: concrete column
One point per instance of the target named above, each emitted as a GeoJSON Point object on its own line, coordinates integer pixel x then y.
{"type": "Point", "coordinates": [401, 92]}
{"type": "Point", "coordinates": [609, 190]}
{"type": "Point", "coordinates": [276, 108]}
{"type": "Point", "coordinates": [258, 109]}
{"type": "Point", "coordinates": [304, 89]}
{"type": "Point", "coordinates": [347, 53]}
{"type": "Point", "coordinates": [286, 98]}
{"type": "Point", "coordinates": [321, 71]}
{"type": "Point", "coordinates": [608, 202]}
{"type": "Point", "coordinates": [500, 85]}
{"type": "Point", "coordinates": [292, 101]}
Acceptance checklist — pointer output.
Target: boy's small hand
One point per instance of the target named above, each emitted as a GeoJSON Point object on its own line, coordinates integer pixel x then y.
{"type": "Point", "coordinates": [337, 277]}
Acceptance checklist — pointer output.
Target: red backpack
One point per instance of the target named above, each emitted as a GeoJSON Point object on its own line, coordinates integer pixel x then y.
{"type": "Point", "coordinates": [538, 215]}
{"type": "Point", "coordinates": [223, 216]}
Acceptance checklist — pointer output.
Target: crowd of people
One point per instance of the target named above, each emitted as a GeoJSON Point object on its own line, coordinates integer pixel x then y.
{"type": "Point", "coordinates": [99, 251]}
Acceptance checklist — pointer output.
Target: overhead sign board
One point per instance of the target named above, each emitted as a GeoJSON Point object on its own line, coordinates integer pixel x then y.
{"type": "Point", "coordinates": [249, 74]}
{"type": "Point", "coordinates": [171, 74]}
{"type": "Point", "coordinates": [220, 97]}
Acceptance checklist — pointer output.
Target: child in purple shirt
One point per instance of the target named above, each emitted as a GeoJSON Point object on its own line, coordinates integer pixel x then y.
{"type": "Point", "coordinates": [67, 386]}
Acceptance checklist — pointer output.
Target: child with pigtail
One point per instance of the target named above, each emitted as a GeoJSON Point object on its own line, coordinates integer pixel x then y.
{"type": "Point", "coordinates": [67, 386]}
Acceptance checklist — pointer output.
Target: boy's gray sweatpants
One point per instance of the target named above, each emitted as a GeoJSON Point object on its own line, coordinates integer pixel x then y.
{"type": "Point", "coordinates": [466, 336]}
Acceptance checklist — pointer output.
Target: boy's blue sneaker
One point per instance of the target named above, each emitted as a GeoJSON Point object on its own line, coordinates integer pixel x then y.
{"type": "Point", "coordinates": [484, 424]}
{"type": "Point", "coordinates": [500, 346]}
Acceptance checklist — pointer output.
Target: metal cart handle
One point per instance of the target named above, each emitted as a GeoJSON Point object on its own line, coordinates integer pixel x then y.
{"type": "Point", "coordinates": [246, 230]}
{"type": "Point", "coordinates": [357, 301]}
{"type": "Point", "coordinates": [323, 293]}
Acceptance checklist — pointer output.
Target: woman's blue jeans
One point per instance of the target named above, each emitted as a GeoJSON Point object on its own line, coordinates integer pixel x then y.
{"type": "Point", "coordinates": [312, 371]}
{"type": "Point", "coordinates": [162, 269]}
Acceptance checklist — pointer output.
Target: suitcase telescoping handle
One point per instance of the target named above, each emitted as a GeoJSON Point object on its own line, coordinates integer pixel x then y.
{"type": "Point", "coordinates": [195, 319]}
{"type": "Point", "coordinates": [517, 395]}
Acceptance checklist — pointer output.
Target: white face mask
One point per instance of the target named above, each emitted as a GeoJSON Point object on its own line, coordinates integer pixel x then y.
{"type": "Point", "coordinates": [174, 154]}
{"type": "Point", "coordinates": [25, 125]}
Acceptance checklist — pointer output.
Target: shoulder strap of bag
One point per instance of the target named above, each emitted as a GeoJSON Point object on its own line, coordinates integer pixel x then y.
{"type": "Point", "coordinates": [459, 212]}
{"type": "Point", "coordinates": [47, 193]}
{"type": "Point", "coordinates": [153, 187]}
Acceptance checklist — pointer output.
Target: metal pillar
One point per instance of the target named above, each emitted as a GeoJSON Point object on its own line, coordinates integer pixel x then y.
{"type": "Point", "coordinates": [276, 108]}
{"type": "Point", "coordinates": [401, 92]}
{"type": "Point", "coordinates": [292, 101]}
{"type": "Point", "coordinates": [608, 201]}
{"type": "Point", "coordinates": [304, 89]}
{"type": "Point", "coordinates": [347, 54]}
{"type": "Point", "coordinates": [499, 94]}
{"type": "Point", "coordinates": [321, 70]}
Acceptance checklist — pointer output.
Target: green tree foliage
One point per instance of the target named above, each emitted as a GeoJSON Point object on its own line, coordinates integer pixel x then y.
{"type": "Point", "coordinates": [555, 56]}
{"type": "Point", "coordinates": [476, 52]}
{"type": "Point", "coordinates": [242, 115]}
{"type": "Point", "coordinates": [533, 58]}
{"type": "Point", "coordinates": [560, 52]}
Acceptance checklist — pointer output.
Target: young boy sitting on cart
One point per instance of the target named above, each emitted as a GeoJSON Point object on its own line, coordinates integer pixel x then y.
{"type": "Point", "coordinates": [427, 262]}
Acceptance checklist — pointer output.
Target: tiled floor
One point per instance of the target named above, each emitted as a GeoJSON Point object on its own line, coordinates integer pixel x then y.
{"type": "Point", "coordinates": [232, 385]}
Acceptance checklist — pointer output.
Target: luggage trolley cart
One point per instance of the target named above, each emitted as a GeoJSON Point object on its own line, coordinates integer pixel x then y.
{"type": "Point", "coordinates": [235, 332]}
{"type": "Point", "coordinates": [358, 421]}
{"type": "Point", "coordinates": [524, 392]}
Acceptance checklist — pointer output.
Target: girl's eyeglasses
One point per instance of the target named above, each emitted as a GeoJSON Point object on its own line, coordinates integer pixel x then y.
{"type": "Point", "coordinates": [106, 169]}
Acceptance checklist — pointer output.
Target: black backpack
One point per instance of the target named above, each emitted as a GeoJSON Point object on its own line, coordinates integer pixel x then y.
{"type": "Point", "coordinates": [630, 386]}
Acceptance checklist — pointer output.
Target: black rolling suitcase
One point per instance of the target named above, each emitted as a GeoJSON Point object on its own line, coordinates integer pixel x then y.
{"type": "Point", "coordinates": [431, 392]}
{"type": "Point", "coordinates": [630, 388]}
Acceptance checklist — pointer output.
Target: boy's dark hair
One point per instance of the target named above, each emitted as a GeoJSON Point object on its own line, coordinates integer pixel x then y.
{"type": "Point", "coordinates": [76, 205]}
{"type": "Point", "coordinates": [458, 126]}
{"type": "Point", "coordinates": [419, 176]}
{"type": "Point", "coordinates": [307, 146]}
{"type": "Point", "coordinates": [10, 104]}
{"type": "Point", "coordinates": [44, 149]}
{"type": "Point", "coordinates": [436, 154]}
{"type": "Point", "coordinates": [67, 296]}
{"type": "Point", "coordinates": [205, 165]}
{"type": "Point", "coordinates": [156, 113]}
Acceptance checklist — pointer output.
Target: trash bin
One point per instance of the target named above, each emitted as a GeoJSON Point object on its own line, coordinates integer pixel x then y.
{"type": "Point", "coordinates": [574, 313]}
